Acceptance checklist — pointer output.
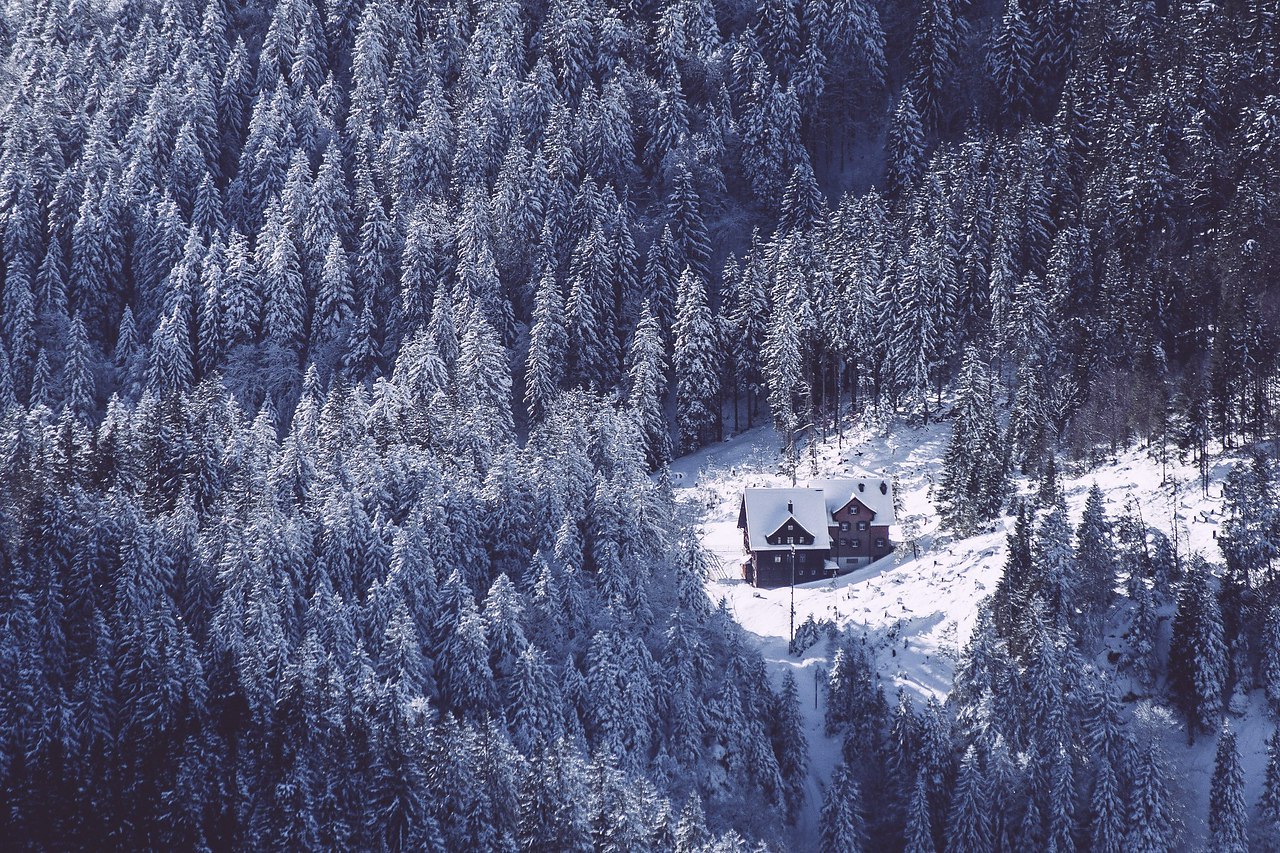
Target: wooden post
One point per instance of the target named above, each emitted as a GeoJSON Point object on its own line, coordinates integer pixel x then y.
{"type": "Point", "coordinates": [793, 595]}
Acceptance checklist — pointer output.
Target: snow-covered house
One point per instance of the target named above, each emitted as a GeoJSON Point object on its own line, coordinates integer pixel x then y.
{"type": "Point", "coordinates": [827, 528]}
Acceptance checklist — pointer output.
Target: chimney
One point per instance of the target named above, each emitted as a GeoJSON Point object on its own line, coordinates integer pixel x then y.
{"type": "Point", "coordinates": [884, 487]}
{"type": "Point", "coordinates": [790, 508]}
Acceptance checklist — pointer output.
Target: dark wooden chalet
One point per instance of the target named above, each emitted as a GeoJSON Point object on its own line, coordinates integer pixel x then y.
{"type": "Point", "coordinates": [829, 528]}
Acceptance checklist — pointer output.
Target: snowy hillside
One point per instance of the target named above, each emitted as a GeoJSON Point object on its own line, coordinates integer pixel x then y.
{"type": "Point", "coordinates": [919, 609]}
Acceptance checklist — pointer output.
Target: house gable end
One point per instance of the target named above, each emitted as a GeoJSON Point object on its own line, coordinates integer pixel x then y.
{"type": "Point", "coordinates": [855, 509]}
{"type": "Point", "coordinates": [791, 528]}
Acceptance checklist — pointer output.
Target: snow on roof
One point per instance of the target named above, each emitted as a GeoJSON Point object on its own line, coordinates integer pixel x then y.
{"type": "Point", "coordinates": [768, 509]}
{"type": "Point", "coordinates": [875, 493]}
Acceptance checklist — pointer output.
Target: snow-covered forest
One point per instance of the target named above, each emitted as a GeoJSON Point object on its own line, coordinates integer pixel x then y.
{"type": "Point", "coordinates": [344, 347]}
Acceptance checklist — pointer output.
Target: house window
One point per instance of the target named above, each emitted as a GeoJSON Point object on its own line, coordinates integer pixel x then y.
{"type": "Point", "coordinates": [855, 543]}
{"type": "Point", "coordinates": [791, 527]}
{"type": "Point", "coordinates": [778, 558]}
{"type": "Point", "coordinates": [854, 510]}
{"type": "Point", "coordinates": [879, 543]}
{"type": "Point", "coordinates": [844, 525]}
{"type": "Point", "coordinates": [862, 525]}
{"type": "Point", "coordinates": [791, 540]}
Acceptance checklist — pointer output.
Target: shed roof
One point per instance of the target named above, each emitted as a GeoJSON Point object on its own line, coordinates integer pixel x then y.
{"type": "Point", "coordinates": [768, 509]}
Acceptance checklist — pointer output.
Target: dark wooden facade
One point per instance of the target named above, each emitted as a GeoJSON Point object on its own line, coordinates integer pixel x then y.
{"type": "Point", "coordinates": [856, 538]}
{"type": "Point", "coordinates": [853, 538]}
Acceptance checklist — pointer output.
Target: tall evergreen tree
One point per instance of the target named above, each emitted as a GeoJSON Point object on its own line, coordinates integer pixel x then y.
{"type": "Point", "coordinates": [843, 829]}
{"type": "Point", "coordinates": [648, 388]}
{"type": "Point", "coordinates": [1228, 815]}
{"type": "Point", "coordinates": [696, 363]}
{"type": "Point", "coordinates": [1197, 653]}
{"type": "Point", "coordinates": [974, 476]}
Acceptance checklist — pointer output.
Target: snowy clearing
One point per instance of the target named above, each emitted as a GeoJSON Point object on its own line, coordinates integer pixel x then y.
{"type": "Point", "coordinates": [918, 609]}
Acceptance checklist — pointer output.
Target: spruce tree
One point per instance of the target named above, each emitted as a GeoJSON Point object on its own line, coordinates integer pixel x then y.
{"type": "Point", "coordinates": [1010, 62]}
{"type": "Point", "coordinates": [548, 342]}
{"type": "Point", "coordinates": [1269, 800]}
{"type": "Point", "coordinates": [919, 830]}
{"type": "Point", "coordinates": [1228, 814]}
{"type": "Point", "coordinates": [1094, 556]}
{"type": "Point", "coordinates": [933, 55]}
{"type": "Point", "coordinates": [647, 370]}
{"type": "Point", "coordinates": [1197, 653]}
{"type": "Point", "coordinates": [696, 363]}
{"type": "Point", "coordinates": [1152, 827]}
{"type": "Point", "coordinates": [790, 746]}
{"type": "Point", "coordinates": [842, 826]}
{"type": "Point", "coordinates": [969, 823]}
{"type": "Point", "coordinates": [905, 155]}
{"type": "Point", "coordinates": [973, 476]}
{"type": "Point", "coordinates": [78, 381]}
{"type": "Point", "coordinates": [687, 227]}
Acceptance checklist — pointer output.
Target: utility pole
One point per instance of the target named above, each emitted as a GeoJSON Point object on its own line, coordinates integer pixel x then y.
{"type": "Point", "coordinates": [793, 594]}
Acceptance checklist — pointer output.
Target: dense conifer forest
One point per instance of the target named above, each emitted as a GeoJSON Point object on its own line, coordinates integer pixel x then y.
{"type": "Point", "coordinates": [343, 346]}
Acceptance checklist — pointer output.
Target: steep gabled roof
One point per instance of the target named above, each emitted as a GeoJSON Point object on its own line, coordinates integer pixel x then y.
{"type": "Point", "coordinates": [875, 493]}
{"type": "Point", "coordinates": [768, 509]}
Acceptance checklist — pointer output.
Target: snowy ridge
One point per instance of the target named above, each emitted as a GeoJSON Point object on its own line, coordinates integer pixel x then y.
{"type": "Point", "coordinates": [919, 609]}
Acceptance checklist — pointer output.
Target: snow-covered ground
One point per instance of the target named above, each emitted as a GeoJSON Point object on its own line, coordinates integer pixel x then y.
{"type": "Point", "coordinates": [919, 606]}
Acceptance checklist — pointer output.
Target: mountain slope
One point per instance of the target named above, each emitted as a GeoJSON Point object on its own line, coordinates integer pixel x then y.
{"type": "Point", "coordinates": [918, 610]}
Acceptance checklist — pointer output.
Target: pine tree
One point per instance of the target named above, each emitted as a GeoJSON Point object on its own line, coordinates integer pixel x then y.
{"type": "Point", "coordinates": [843, 829]}
{"type": "Point", "coordinates": [691, 830]}
{"type": "Point", "coordinates": [592, 343]}
{"type": "Point", "coordinates": [1228, 815]}
{"type": "Point", "coordinates": [1269, 800]}
{"type": "Point", "coordinates": [696, 363]}
{"type": "Point", "coordinates": [548, 342]}
{"type": "Point", "coordinates": [802, 204]}
{"type": "Point", "coordinates": [919, 830]}
{"type": "Point", "coordinates": [905, 155]}
{"type": "Point", "coordinates": [484, 391]}
{"type": "Point", "coordinates": [1151, 809]}
{"type": "Point", "coordinates": [77, 371]}
{"type": "Point", "coordinates": [1010, 62]}
{"type": "Point", "coordinates": [335, 301]}
{"type": "Point", "coordinates": [648, 388]}
{"type": "Point", "coordinates": [974, 476]}
{"type": "Point", "coordinates": [1094, 557]}
{"type": "Point", "coordinates": [790, 746]}
{"type": "Point", "coordinates": [1142, 640]}
{"type": "Point", "coordinates": [8, 395]}
{"type": "Point", "coordinates": [171, 362]}
{"type": "Point", "coordinates": [687, 227]}
{"type": "Point", "coordinates": [969, 824]}
{"type": "Point", "coordinates": [933, 56]}
{"type": "Point", "coordinates": [1197, 653]}
{"type": "Point", "coordinates": [1108, 811]}
{"type": "Point", "coordinates": [466, 681]}
{"type": "Point", "coordinates": [281, 279]}
{"type": "Point", "coordinates": [661, 273]}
